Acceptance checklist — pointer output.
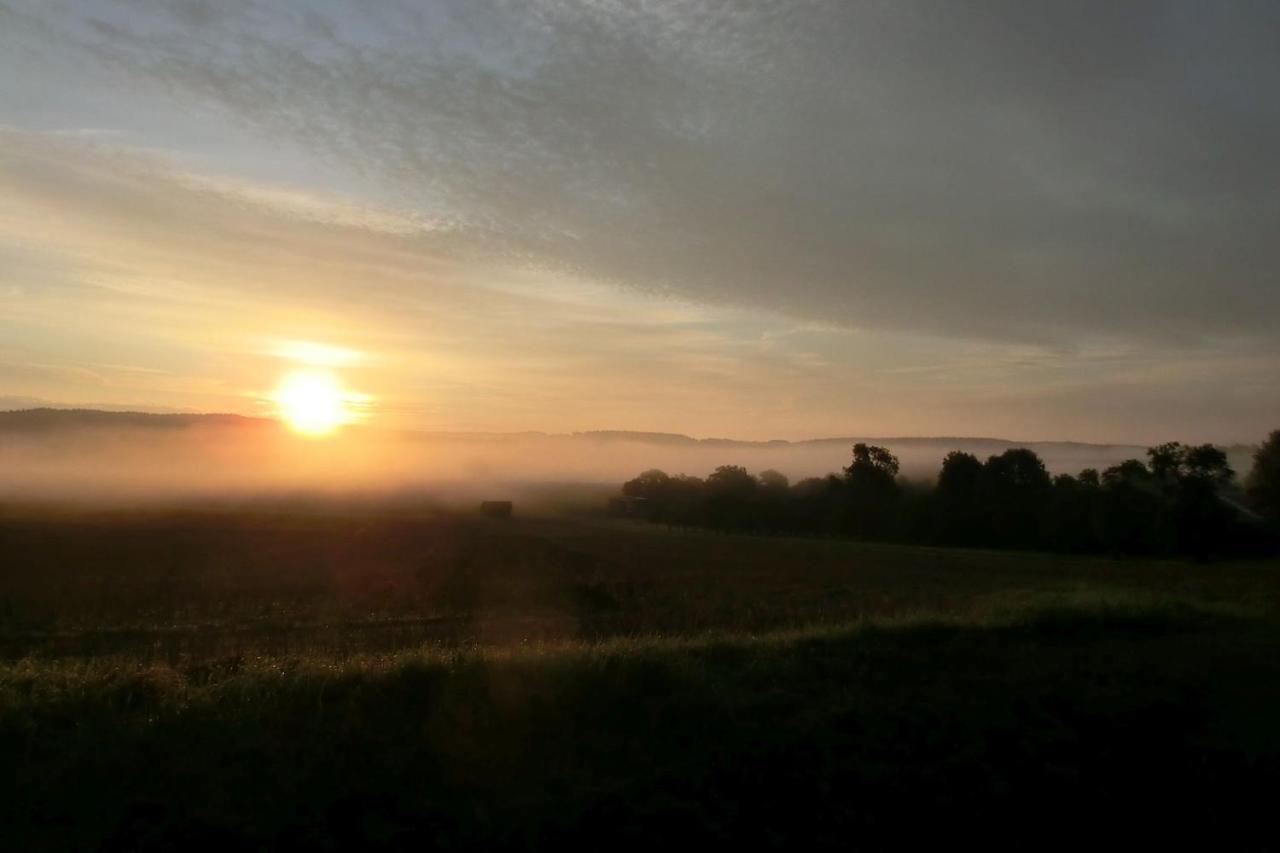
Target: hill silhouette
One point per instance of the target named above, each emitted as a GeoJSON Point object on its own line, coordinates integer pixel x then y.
{"type": "Point", "coordinates": [86, 449]}
{"type": "Point", "coordinates": [51, 418]}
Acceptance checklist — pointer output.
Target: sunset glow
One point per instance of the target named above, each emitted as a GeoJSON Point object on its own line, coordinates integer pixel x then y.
{"type": "Point", "coordinates": [477, 423]}
{"type": "Point", "coordinates": [589, 224]}
{"type": "Point", "coordinates": [312, 402]}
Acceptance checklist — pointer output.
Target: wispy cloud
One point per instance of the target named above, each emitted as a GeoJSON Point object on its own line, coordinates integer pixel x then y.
{"type": "Point", "coordinates": [794, 218]}
{"type": "Point", "coordinates": [988, 169]}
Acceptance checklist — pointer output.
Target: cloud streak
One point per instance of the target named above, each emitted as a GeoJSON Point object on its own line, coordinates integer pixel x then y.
{"type": "Point", "coordinates": [999, 170]}
{"type": "Point", "coordinates": [205, 291]}
{"type": "Point", "coordinates": [762, 220]}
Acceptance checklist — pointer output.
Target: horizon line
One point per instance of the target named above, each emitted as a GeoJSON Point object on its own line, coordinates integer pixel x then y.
{"type": "Point", "coordinates": [586, 433]}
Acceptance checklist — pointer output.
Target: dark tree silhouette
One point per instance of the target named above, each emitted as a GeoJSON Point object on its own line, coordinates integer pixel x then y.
{"type": "Point", "coordinates": [870, 491]}
{"type": "Point", "coordinates": [1167, 461]}
{"type": "Point", "coordinates": [649, 485]}
{"type": "Point", "coordinates": [1203, 520]}
{"type": "Point", "coordinates": [1134, 515]}
{"type": "Point", "coordinates": [871, 458]}
{"type": "Point", "coordinates": [1014, 487]}
{"type": "Point", "coordinates": [730, 493]}
{"type": "Point", "coordinates": [1016, 471]}
{"type": "Point", "coordinates": [1070, 521]}
{"type": "Point", "coordinates": [1207, 463]}
{"type": "Point", "coordinates": [686, 496]}
{"type": "Point", "coordinates": [958, 479]}
{"type": "Point", "coordinates": [672, 500]}
{"type": "Point", "coordinates": [1264, 479]}
{"type": "Point", "coordinates": [1129, 472]}
{"type": "Point", "coordinates": [773, 481]}
{"type": "Point", "coordinates": [776, 507]}
{"type": "Point", "coordinates": [1185, 501]}
{"type": "Point", "coordinates": [959, 518]}
{"type": "Point", "coordinates": [731, 481]}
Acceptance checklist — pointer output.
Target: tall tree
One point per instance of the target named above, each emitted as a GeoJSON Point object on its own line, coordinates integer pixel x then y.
{"type": "Point", "coordinates": [958, 479]}
{"type": "Point", "coordinates": [1013, 490]}
{"type": "Point", "coordinates": [730, 493]}
{"type": "Point", "coordinates": [1264, 479]}
{"type": "Point", "coordinates": [648, 485]}
{"type": "Point", "coordinates": [871, 491]}
{"type": "Point", "coordinates": [1167, 461]}
{"type": "Point", "coordinates": [1203, 520]}
{"type": "Point", "coordinates": [958, 518]}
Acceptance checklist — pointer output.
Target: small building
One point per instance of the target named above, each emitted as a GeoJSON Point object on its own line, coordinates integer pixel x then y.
{"type": "Point", "coordinates": [496, 509]}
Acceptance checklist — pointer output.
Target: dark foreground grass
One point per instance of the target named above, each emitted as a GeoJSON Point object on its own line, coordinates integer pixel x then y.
{"type": "Point", "coordinates": [1091, 723]}
{"type": "Point", "coordinates": [341, 679]}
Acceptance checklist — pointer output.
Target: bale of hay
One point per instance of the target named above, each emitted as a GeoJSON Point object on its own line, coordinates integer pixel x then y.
{"type": "Point", "coordinates": [496, 509]}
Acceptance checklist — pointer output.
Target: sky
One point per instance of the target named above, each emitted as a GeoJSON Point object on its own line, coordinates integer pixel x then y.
{"type": "Point", "coordinates": [750, 220]}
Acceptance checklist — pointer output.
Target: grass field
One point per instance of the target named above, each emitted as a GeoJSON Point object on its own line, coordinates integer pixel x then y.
{"type": "Point", "coordinates": [385, 680]}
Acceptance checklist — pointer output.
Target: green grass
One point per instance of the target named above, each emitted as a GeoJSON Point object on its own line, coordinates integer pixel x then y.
{"type": "Point", "coordinates": [554, 683]}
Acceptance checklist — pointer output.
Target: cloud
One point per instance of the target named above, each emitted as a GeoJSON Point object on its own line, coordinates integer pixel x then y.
{"type": "Point", "coordinates": [165, 287]}
{"type": "Point", "coordinates": [996, 170]}
{"type": "Point", "coordinates": [899, 218]}
{"type": "Point", "coordinates": [315, 354]}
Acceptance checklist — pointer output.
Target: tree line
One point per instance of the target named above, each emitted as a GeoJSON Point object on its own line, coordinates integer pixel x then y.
{"type": "Point", "coordinates": [1181, 500]}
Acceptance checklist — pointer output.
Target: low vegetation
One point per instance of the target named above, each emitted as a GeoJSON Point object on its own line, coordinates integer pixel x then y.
{"type": "Point", "coordinates": [345, 678]}
{"type": "Point", "coordinates": [891, 734]}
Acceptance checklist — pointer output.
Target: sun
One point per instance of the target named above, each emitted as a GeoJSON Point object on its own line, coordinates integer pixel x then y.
{"type": "Point", "coordinates": [312, 402]}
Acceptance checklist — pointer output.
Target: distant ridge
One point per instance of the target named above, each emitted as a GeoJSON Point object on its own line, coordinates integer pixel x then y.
{"type": "Point", "coordinates": [679, 439]}
{"type": "Point", "coordinates": [50, 418]}
{"type": "Point", "coordinates": [920, 456]}
{"type": "Point", "coordinates": [47, 418]}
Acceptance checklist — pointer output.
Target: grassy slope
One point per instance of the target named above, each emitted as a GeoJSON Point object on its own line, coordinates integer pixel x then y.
{"type": "Point", "coordinates": [971, 692]}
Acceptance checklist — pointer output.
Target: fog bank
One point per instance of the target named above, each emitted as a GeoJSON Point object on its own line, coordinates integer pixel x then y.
{"type": "Point", "coordinates": [48, 455]}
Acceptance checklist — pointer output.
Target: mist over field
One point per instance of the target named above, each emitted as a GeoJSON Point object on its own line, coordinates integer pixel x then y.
{"type": "Point", "coordinates": [101, 456]}
{"type": "Point", "coordinates": [547, 425]}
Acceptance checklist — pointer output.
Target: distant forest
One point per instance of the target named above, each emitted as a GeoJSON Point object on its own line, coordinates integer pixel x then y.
{"type": "Point", "coordinates": [1181, 500]}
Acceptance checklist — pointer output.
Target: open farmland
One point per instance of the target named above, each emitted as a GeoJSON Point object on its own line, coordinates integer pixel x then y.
{"type": "Point", "coordinates": [343, 677]}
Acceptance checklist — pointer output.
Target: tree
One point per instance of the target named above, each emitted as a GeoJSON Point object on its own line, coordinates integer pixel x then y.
{"type": "Point", "coordinates": [683, 500]}
{"type": "Point", "coordinates": [777, 504]}
{"type": "Point", "coordinates": [1133, 512]}
{"type": "Point", "coordinates": [731, 481]}
{"type": "Point", "coordinates": [1203, 519]}
{"type": "Point", "coordinates": [1070, 520]}
{"type": "Point", "coordinates": [673, 500]}
{"type": "Point", "coordinates": [1174, 504]}
{"type": "Point", "coordinates": [1012, 491]}
{"type": "Point", "coordinates": [649, 485]}
{"type": "Point", "coordinates": [1264, 479]}
{"type": "Point", "coordinates": [730, 490]}
{"type": "Point", "coordinates": [958, 479]}
{"type": "Point", "coordinates": [958, 520]}
{"type": "Point", "coordinates": [869, 458]}
{"type": "Point", "coordinates": [773, 481]}
{"type": "Point", "coordinates": [1167, 461]}
{"type": "Point", "coordinates": [819, 503]}
{"type": "Point", "coordinates": [1130, 472]}
{"type": "Point", "coordinates": [1207, 463]}
{"type": "Point", "coordinates": [1016, 471]}
{"type": "Point", "coordinates": [871, 491]}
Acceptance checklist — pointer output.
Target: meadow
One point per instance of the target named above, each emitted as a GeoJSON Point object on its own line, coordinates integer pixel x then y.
{"type": "Point", "coordinates": [349, 676]}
